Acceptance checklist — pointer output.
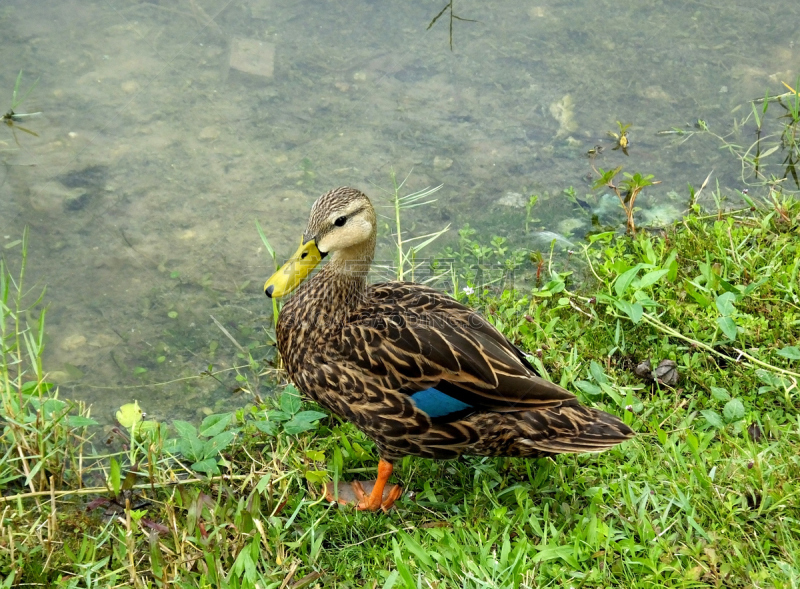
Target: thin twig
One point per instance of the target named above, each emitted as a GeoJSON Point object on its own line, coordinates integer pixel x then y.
{"type": "Point", "coordinates": [228, 335]}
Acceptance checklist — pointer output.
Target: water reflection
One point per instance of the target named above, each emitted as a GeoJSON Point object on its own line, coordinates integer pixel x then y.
{"type": "Point", "coordinates": [169, 126]}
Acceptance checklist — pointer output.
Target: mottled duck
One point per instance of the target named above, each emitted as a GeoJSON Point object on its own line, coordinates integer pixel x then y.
{"type": "Point", "coordinates": [415, 370]}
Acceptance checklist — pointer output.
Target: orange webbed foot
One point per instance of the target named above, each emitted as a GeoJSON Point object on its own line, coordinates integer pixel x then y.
{"type": "Point", "coordinates": [367, 495]}
{"type": "Point", "coordinates": [359, 493]}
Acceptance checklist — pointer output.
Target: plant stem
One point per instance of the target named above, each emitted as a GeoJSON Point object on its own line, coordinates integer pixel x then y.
{"type": "Point", "coordinates": [400, 260]}
{"type": "Point", "coordinates": [674, 333]}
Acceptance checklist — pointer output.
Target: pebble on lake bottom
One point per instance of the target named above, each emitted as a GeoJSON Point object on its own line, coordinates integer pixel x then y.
{"type": "Point", "coordinates": [253, 57]}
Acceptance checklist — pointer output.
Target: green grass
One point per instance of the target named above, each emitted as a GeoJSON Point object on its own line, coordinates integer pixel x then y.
{"type": "Point", "coordinates": [705, 496]}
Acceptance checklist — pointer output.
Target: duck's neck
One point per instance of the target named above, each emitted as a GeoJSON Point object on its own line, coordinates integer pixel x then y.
{"type": "Point", "coordinates": [341, 285]}
{"type": "Point", "coordinates": [352, 265]}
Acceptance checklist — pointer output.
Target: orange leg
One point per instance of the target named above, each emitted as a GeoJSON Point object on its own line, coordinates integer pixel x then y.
{"type": "Point", "coordinates": [378, 497]}
{"type": "Point", "coordinates": [375, 500]}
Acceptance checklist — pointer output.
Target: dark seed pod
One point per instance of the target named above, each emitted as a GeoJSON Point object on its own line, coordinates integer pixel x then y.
{"type": "Point", "coordinates": [755, 433]}
{"type": "Point", "coordinates": [644, 370]}
{"type": "Point", "coordinates": [667, 373]}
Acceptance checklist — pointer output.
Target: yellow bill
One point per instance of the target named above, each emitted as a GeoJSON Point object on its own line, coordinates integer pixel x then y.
{"type": "Point", "coordinates": [294, 271]}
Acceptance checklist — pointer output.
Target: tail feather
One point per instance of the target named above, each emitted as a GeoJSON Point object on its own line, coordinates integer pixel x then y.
{"type": "Point", "coordinates": [589, 430]}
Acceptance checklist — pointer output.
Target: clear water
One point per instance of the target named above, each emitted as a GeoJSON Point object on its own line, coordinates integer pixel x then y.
{"type": "Point", "coordinates": [154, 157]}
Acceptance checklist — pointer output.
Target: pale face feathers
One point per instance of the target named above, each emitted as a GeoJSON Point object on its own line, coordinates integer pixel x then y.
{"type": "Point", "coordinates": [343, 222]}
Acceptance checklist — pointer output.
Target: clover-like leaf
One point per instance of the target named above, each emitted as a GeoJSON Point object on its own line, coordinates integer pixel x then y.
{"type": "Point", "coordinates": [129, 415]}
{"type": "Point", "coordinates": [303, 421]}
{"type": "Point", "coordinates": [733, 411]}
{"type": "Point", "coordinates": [789, 352]}
{"type": "Point", "coordinates": [713, 418]}
{"type": "Point", "coordinates": [725, 302]}
{"type": "Point", "coordinates": [290, 400]}
{"type": "Point", "coordinates": [728, 326]}
{"type": "Point", "coordinates": [720, 394]}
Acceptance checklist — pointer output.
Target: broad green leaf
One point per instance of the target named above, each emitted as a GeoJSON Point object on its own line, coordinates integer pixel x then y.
{"type": "Point", "coordinates": [208, 466]}
{"type": "Point", "coordinates": [609, 390]}
{"type": "Point", "coordinates": [724, 304]}
{"type": "Point", "coordinates": [310, 415]}
{"type": "Point", "coordinates": [35, 386]}
{"type": "Point", "coordinates": [650, 278]}
{"type": "Point", "coordinates": [296, 426]}
{"type": "Point", "coordinates": [218, 443]}
{"type": "Point", "coordinates": [315, 455]}
{"type": "Point", "coordinates": [597, 372]}
{"type": "Point", "coordinates": [720, 394]}
{"type": "Point", "coordinates": [770, 151]}
{"type": "Point", "coordinates": [53, 407]}
{"type": "Point", "coordinates": [192, 448]}
{"type": "Point", "coordinates": [728, 327]}
{"type": "Point", "coordinates": [607, 237]}
{"type": "Point", "coordinates": [713, 418]}
{"type": "Point", "coordinates": [649, 253]}
{"type": "Point", "coordinates": [750, 288]}
{"type": "Point", "coordinates": [733, 411]}
{"type": "Point", "coordinates": [643, 299]}
{"type": "Point", "coordinates": [541, 293]}
{"type": "Point", "coordinates": [789, 352]}
{"type": "Point", "coordinates": [672, 265]}
{"type": "Point", "coordinates": [625, 279]}
{"type": "Point", "coordinates": [399, 562]}
{"type": "Point", "coordinates": [391, 580]}
{"type": "Point", "coordinates": [768, 378]}
{"type": "Point", "coordinates": [290, 400]}
{"type": "Point", "coordinates": [589, 388]}
{"type": "Point", "coordinates": [185, 429]}
{"type": "Point", "coordinates": [728, 287]}
{"type": "Point", "coordinates": [276, 415]}
{"type": "Point", "coordinates": [692, 441]}
{"type": "Point", "coordinates": [549, 289]}
{"type": "Point", "coordinates": [632, 310]}
{"type": "Point", "coordinates": [34, 471]}
{"type": "Point", "coordinates": [263, 483]}
{"type": "Point", "coordinates": [215, 424]}
{"type": "Point", "coordinates": [267, 427]}
{"type": "Point", "coordinates": [556, 285]}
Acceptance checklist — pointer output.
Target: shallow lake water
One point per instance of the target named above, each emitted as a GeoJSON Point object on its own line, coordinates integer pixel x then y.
{"type": "Point", "coordinates": [169, 127]}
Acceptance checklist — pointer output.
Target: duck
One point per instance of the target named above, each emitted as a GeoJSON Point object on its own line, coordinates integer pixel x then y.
{"type": "Point", "coordinates": [418, 372]}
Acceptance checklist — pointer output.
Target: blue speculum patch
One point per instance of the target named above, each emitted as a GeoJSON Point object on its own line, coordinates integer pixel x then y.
{"type": "Point", "coordinates": [437, 404]}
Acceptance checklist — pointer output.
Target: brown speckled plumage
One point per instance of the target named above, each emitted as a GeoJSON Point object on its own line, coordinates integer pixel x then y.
{"type": "Point", "coordinates": [362, 350]}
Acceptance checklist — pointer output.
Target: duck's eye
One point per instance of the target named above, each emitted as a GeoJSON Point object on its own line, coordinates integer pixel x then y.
{"type": "Point", "coordinates": [340, 221]}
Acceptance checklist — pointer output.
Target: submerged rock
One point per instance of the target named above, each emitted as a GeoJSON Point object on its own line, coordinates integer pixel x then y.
{"type": "Point", "coordinates": [440, 164]}
{"type": "Point", "coordinates": [253, 57]}
{"type": "Point", "coordinates": [512, 199]}
{"type": "Point", "coordinates": [73, 342]}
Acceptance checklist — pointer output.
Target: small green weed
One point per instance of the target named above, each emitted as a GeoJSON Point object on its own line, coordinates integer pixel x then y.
{"type": "Point", "coordinates": [12, 117]}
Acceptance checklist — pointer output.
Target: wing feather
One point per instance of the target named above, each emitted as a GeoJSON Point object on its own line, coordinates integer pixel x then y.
{"type": "Point", "coordinates": [428, 339]}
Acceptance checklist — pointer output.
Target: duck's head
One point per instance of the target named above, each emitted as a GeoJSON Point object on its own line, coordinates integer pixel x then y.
{"type": "Point", "coordinates": [343, 224]}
